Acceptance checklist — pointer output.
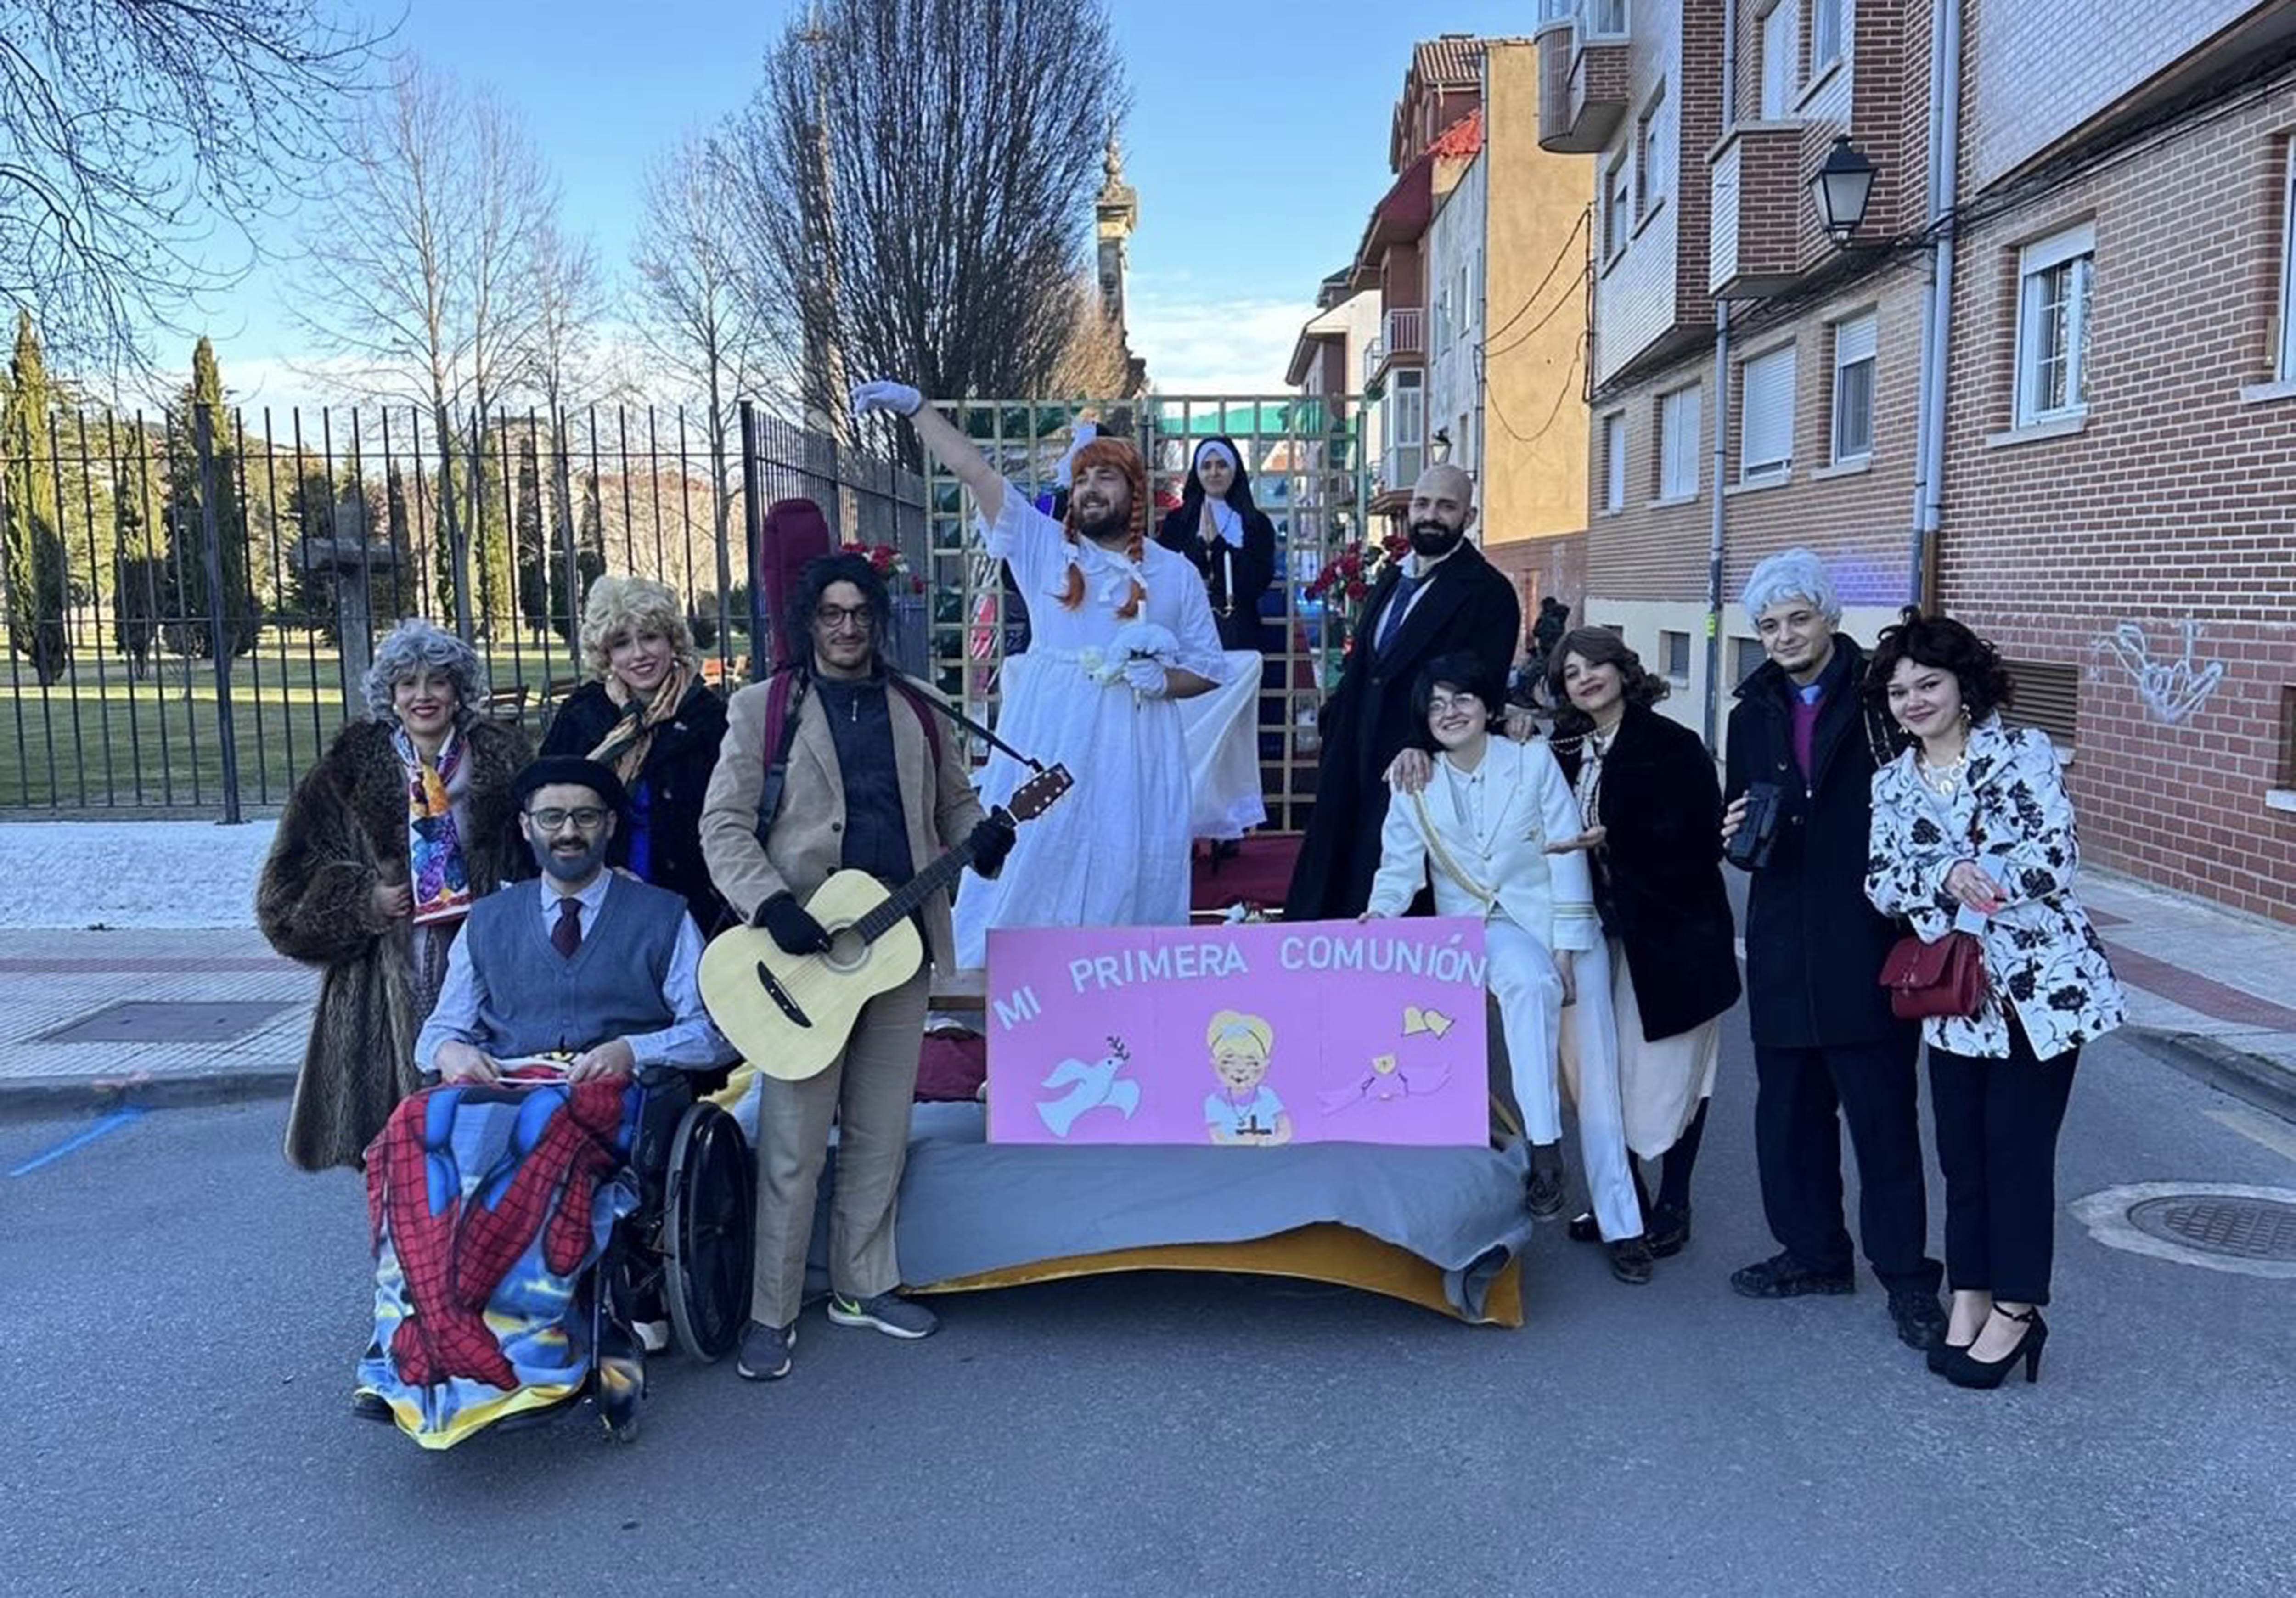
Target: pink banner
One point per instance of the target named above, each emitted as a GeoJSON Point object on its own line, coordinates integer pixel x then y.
{"type": "Point", "coordinates": [1260, 1035]}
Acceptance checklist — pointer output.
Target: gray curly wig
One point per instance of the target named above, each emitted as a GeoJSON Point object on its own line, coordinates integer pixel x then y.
{"type": "Point", "coordinates": [406, 650]}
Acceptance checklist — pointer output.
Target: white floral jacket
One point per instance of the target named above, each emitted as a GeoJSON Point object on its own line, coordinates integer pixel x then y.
{"type": "Point", "coordinates": [2012, 817]}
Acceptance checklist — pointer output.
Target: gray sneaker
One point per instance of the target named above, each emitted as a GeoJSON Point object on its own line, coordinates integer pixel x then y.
{"type": "Point", "coordinates": [888, 1312]}
{"type": "Point", "coordinates": [766, 1351]}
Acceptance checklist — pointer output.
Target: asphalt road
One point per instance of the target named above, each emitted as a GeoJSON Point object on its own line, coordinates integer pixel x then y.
{"type": "Point", "coordinates": [179, 1313]}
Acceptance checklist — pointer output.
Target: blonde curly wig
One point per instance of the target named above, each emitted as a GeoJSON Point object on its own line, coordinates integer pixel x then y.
{"type": "Point", "coordinates": [618, 606]}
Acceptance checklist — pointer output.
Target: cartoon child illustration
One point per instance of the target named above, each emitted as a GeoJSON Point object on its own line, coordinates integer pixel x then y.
{"type": "Point", "coordinates": [1245, 1110]}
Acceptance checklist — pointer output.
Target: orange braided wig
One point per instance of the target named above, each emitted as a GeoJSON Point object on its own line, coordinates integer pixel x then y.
{"type": "Point", "coordinates": [1124, 458]}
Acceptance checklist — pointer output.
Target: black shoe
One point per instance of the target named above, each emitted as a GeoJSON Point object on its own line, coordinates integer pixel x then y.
{"type": "Point", "coordinates": [1631, 1262]}
{"type": "Point", "coordinates": [1918, 1317]}
{"type": "Point", "coordinates": [1783, 1276]}
{"type": "Point", "coordinates": [1584, 1229]}
{"type": "Point", "coordinates": [1542, 1193]}
{"type": "Point", "coordinates": [1962, 1371]}
{"type": "Point", "coordinates": [370, 1406]}
{"type": "Point", "coordinates": [1942, 1353]}
{"type": "Point", "coordinates": [1669, 1230]}
{"type": "Point", "coordinates": [764, 1355]}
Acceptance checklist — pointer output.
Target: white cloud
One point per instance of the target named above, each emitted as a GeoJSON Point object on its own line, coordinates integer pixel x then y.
{"type": "Point", "coordinates": [1213, 346]}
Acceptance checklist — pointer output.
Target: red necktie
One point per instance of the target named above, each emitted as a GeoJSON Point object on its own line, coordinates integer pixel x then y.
{"type": "Point", "coordinates": [566, 937]}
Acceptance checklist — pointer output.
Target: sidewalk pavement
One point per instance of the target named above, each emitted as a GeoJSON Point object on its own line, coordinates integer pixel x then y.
{"type": "Point", "coordinates": [2210, 989]}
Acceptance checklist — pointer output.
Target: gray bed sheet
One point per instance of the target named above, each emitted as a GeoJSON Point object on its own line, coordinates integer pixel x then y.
{"type": "Point", "coordinates": [969, 1206]}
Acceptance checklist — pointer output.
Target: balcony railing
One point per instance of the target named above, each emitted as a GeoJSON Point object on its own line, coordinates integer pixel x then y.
{"type": "Point", "coordinates": [1404, 330]}
{"type": "Point", "coordinates": [1374, 356]}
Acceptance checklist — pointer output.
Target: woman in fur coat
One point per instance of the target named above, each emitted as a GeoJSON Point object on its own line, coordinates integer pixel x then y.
{"type": "Point", "coordinates": [404, 823]}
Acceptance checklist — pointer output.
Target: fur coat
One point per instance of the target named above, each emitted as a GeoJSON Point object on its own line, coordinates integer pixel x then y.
{"type": "Point", "coordinates": [344, 830]}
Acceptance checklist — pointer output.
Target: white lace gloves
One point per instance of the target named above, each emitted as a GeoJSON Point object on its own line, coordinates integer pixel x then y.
{"type": "Point", "coordinates": [1146, 677]}
{"type": "Point", "coordinates": [1084, 433]}
{"type": "Point", "coordinates": [882, 394]}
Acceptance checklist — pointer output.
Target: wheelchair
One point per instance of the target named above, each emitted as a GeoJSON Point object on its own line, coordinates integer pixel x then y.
{"type": "Point", "coordinates": [684, 1255]}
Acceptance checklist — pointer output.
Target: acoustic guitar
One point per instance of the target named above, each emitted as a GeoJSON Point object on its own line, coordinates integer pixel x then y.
{"type": "Point", "coordinates": [790, 1014]}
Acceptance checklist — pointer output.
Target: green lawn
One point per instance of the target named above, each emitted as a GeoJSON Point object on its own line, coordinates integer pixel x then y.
{"type": "Point", "coordinates": [98, 739]}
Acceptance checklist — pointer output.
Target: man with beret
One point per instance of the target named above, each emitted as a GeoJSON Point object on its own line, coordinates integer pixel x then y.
{"type": "Point", "coordinates": [586, 961]}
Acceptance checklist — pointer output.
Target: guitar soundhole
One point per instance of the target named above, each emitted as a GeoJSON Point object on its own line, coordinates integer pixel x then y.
{"type": "Point", "coordinates": [848, 949]}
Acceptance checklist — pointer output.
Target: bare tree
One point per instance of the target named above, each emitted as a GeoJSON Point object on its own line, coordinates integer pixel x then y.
{"type": "Point", "coordinates": [565, 365]}
{"type": "Point", "coordinates": [693, 315]}
{"type": "Point", "coordinates": [424, 275]}
{"type": "Point", "coordinates": [140, 143]}
{"type": "Point", "coordinates": [916, 179]}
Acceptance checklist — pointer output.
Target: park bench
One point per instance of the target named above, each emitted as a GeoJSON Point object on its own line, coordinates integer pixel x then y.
{"type": "Point", "coordinates": [505, 704]}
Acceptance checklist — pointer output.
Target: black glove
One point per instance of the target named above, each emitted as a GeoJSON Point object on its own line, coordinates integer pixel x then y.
{"type": "Point", "coordinates": [796, 931]}
{"type": "Point", "coordinates": [991, 841]}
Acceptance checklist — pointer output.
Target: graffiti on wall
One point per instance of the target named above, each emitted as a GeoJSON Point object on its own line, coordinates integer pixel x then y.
{"type": "Point", "coordinates": [2171, 687]}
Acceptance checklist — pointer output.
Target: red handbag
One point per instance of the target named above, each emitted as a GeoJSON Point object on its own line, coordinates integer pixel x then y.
{"type": "Point", "coordinates": [1946, 978]}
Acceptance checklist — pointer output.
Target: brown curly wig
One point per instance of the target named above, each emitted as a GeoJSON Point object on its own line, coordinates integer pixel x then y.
{"type": "Point", "coordinates": [1597, 646]}
{"type": "Point", "coordinates": [1945, 644]}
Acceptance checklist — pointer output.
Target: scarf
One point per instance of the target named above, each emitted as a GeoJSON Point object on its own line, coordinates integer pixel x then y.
{"type": "Point", "coordinates": [629, 741]}
{"type": "Point", "coordinates": [436, 871]}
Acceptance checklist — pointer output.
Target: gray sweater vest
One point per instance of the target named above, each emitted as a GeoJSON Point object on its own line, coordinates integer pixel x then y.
{"type": "Point", "coordinates": [537, 1000]}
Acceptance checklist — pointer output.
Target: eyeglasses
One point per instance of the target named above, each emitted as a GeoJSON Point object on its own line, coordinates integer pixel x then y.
{"type": "Point", "coordinates": [830, 618]}
{"type": "Point", "coordinates": [1443, 704]}
{"type": "Point", "coordinates": [588, 817]}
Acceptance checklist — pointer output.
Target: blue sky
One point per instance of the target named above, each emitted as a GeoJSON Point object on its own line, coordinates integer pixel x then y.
{"type": "Point", "coordinates": [1258, 141]}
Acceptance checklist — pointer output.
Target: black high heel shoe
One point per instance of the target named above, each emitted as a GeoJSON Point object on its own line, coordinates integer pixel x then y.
{"type": "Point", "coordinates": [1942, 1353]}
{"type": "Point", "coordinates": [1963, 1371]}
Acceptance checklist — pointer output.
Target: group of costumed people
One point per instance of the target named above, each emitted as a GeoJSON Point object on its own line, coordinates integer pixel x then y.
{"type": "Point", "coordinates": [1594, 855]}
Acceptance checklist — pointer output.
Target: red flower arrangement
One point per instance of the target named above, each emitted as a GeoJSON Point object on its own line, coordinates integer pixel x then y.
{"type": "Point", "coordinates": [889, 562]}
{"type": "Point", "coordinates": [1347, 578]}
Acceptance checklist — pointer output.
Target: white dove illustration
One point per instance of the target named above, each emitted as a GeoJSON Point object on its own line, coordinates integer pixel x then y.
{"type": "Point", "coordinates": [1090, 1087]}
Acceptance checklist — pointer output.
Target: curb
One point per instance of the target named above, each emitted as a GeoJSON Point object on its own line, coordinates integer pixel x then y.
{"type": "Point", "coordinates": [2254, 1079]}
{"type": "Point", "coordinates": [56, 1098]}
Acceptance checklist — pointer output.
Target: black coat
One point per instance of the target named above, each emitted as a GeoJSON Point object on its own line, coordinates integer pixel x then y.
{"type": "Point", "coordinates": [1659, 870]}
{"type": "Point", "coordinates": [675, 776]}
{"type": "Point", "coordinates": [1234, 610]}
{"type": "Point", "coordinates": [1814, 944]}
{"type": "Point", "coordinates": [1367, 721]}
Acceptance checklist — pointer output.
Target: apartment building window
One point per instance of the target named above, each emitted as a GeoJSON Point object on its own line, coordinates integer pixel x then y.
{"type": "Point", "coordinates": [1780, 67]}
{"type": "Point", "coordinates": [1618, 204]}
{"type": "Point", "coordinates": [2288, 272]}
{"type": "Point", "coordinates": [1853, 388]}
{"type": "Point", "coordinates": [2054, 279]}
{"type": "Point", "coordinates": [1677, 444]}
{"type": "Point", "coordinates": [1656, 170]}
{"type": "Point", "coordinates": [1746, 657]}
{"type": "Point", "coordinates": [1614, 461]}
{"type": "Point", "coordinates": [1766, 392]}
{"type": "Point", "coordinates": [1674, 649]}
{"type": "Point", "coordinates": [1825, 34]}
{"type": "Point", "coordinates": [1606, 19]}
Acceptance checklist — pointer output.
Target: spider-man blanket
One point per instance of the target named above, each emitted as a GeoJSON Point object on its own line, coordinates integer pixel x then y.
{"type": "Point", "coordinates": [488, 1208]}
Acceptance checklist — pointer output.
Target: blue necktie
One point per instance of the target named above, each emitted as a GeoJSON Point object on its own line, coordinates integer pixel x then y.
{"type": "Point", "coordinates": [1397, 602]}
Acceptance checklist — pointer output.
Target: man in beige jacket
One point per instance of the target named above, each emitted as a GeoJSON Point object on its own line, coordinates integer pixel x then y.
{"type": "Point", "coordinates": [869, 782]}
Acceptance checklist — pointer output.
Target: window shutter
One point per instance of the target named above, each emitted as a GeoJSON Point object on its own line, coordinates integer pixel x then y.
{"type": "Point", "coordinates": [2048, 697]}
{"type": "Point", "coordinates": [1854, 340]}
{"type": "Point", "coordinates": [1766, 413]}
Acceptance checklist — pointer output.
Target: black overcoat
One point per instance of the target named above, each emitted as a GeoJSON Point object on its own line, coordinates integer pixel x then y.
{"type": "Point", "coordinates": [676, 775]}
{"type": "Point", "coordinates": [1235, 611]}
{"type": "Point", "coordinates": [1368, 721]}
{"type": "Point", "coordinates": [1660, 807]}
{"type": "Point", "coordinates": [1814, 944]}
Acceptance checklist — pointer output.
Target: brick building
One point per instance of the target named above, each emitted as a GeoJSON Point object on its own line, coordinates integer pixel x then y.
{"type": "Point", "coordinates": [2049, 380]}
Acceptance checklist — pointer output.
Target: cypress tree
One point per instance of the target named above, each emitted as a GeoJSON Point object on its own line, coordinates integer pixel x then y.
{"type": "Point", "coordinates": [187, 549]}
{"type": "Point", "coordinates": [31, 549]}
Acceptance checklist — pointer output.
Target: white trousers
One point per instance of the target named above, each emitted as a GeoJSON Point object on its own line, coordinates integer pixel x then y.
{"type": "Point", "coordinates": [1533, 1019]}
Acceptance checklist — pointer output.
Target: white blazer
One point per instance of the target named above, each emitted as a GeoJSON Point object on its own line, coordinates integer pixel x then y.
{"type": "Point", "coordinates": [1503, 868]}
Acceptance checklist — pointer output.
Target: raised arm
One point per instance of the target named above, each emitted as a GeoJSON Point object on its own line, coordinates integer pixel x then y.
{"type": "Point", "coordinates": [940, 437]}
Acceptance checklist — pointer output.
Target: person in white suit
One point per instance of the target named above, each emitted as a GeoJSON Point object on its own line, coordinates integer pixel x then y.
{"type": "Point", "coordinates": [1495, 830]}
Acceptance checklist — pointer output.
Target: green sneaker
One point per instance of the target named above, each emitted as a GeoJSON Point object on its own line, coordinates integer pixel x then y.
{"type": "Point", "coordinates": [888, 1312]}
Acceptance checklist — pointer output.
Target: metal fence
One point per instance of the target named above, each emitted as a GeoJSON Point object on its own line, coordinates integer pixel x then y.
{"type": "Point", "coordinates": [192, 597]}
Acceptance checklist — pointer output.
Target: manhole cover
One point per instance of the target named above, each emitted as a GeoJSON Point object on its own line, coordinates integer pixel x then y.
{"type": "Point", "coordinates": [159, 1021]}
{"type": "Point", "coordinates": [2240, 1228]}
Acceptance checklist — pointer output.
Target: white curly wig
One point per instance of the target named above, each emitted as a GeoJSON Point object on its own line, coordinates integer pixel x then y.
{"type": "Point", "coordinates": [410, 647]}
{"type": "Point", "coordinates": [1790, 574]}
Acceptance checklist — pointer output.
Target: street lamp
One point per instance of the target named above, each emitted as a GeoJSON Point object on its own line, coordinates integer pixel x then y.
{"type": "Point", "coordinates": [1439, 447]}
{"type": "Point", "coordinates": [1842, 186]}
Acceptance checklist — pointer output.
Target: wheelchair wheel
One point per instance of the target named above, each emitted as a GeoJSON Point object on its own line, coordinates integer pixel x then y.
{"type": "Point", "coordinates": [709, 1210]}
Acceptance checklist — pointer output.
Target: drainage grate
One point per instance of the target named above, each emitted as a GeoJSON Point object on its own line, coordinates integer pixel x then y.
{"type": "Point", "coordinates": [2238, 1228]}
{"type": "Point", "coordinates": [179, 1021]}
